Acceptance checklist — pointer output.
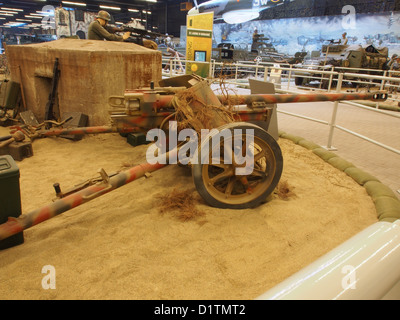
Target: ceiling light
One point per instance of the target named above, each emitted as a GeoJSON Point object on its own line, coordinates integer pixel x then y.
{"type": "Point", "coordinates": [74, 3]}
{"type": "Point", "coordinates": [10, 12]}
{"type": "Point", "coordinates": [6, 14]}
{"type": "Point", "coordinates": [37, 16]}
{"type": "Point", "coordinates": [12, 9]}
{"type": "Point", "coordinates": [23, 20]}
{"type": "Point", "coordinates": [133, 10]}
{"type": "Point", "coordinates": [151, 0]}
{"type": "Point", "coordinates": [111, 8]}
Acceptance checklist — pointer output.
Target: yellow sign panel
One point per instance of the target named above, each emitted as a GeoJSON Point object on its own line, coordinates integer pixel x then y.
{"type": "Point", "coordinates": [199, 43]}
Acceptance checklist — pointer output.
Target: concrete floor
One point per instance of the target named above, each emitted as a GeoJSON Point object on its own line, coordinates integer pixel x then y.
{"type": "Point", "coordinates": [380, 162]}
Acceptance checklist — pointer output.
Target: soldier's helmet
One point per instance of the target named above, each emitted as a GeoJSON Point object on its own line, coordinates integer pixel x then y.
{"type": "Point", "coordinates": [104, 15]}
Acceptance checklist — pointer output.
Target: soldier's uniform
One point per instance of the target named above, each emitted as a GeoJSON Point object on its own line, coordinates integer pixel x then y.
{"type": "Point", "coordinates": [98, 32]}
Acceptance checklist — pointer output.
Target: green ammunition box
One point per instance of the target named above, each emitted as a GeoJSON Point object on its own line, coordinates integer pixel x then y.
{"type": "Point", "coordinates": [10, 198]}
{"type": "Point", "coordinates": [9, 94]}
{"type": "Point", "coordinates": [136, 139]}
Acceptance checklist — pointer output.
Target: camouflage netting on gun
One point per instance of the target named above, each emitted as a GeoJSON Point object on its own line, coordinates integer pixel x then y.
{"type": "Point", "coordinates": [199, 108]}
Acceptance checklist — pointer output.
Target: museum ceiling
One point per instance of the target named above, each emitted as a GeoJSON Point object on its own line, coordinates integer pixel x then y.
{"type": "Point", "coordinates": [310, 8]}
{"type": "Point", "coordinates": [28, 7]}
{"type": "Point", "coordinates": [168, 16]}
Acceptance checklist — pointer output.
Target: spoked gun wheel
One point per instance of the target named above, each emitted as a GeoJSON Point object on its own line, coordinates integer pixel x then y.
{"type": "Point", "coordinates": [225, 182]}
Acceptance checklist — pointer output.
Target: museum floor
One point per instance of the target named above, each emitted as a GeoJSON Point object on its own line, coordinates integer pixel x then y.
{"type": "Point", "coordinates": [382, 163]}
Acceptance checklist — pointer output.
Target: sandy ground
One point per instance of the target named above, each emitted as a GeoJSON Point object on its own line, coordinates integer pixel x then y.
{"type": "Point", "coordinates": [119, 246]}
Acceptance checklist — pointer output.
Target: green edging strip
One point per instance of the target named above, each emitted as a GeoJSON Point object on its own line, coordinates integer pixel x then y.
{"type": "Point", "coordinates": [324, 154]}
{"type": "Point", "coordinates": [376, 190]}
{"type": "Point", "coordinates": [360, 176]}
{"type": "Point", "coordinates": [386, 203]}
{"type": "Point", "coordinates": [340, 163]}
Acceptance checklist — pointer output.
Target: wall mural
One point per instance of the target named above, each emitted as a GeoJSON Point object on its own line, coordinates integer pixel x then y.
{"type": "Point", "coordinates": [309, 34]}
{"type": "Point", "coordinates": [71, 23]}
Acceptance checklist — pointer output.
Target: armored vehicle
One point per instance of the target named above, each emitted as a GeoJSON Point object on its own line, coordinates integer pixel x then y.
{"type": "Point", "coordinates": [355, 56]}
{"type": "Point", "coordinates": [262, 50]}
{"type": "Point", "coordinates": [348, 56]}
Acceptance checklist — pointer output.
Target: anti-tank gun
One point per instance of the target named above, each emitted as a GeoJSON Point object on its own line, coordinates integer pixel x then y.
{"type": "Point", "coordinates": [234, 160]}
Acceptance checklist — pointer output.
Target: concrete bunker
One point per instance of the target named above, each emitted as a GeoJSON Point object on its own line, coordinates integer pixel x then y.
{"type": "Point", "coordinates": [90, 72]}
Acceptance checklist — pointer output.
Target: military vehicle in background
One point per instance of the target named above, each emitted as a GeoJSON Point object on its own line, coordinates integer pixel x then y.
{"type": "Point", "coordinates": [262, 50]}
{"type": "Point", "coordinates": [343, 56]}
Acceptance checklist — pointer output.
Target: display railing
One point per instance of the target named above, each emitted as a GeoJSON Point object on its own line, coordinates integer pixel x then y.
{"type": "Point", "coordinates": [322, 77]}
{"type": "Point", "coordinates": [239, 73]}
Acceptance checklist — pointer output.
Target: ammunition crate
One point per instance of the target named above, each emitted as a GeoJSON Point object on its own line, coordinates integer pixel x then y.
{"type": "Point", "coordinates": [29, 118]}
{"type": "Point", "coordinates": [18, 150]}
{"type": "Point", "coordinates": [10, 198]}
{"type": "Point", "coordinates": [9, 94]}
{"type": "Point", "coordinates": [78, 120]}
{"type": "Point", "coordinates": [136, 139]}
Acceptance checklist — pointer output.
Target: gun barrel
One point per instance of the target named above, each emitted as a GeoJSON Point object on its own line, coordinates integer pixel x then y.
{"type": "Point", "coordinates": [165, 100]}
{"type": "Point", "coordinates": [85, 130]}
{"type": "Point", "coordinates": [293, 98]}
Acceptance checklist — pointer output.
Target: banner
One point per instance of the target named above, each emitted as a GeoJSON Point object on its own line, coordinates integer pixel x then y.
{"type": "Point", "coordinates": [199, 43]}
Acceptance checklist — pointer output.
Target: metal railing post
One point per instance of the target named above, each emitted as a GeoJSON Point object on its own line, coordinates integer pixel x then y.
{"type": "Point", "coordinates": [214, 68]}
{"type": "Point", "coordinates": [257, 70]}
{"type": "Point", "coordinates": [236, 72]}
{"type": "Point", "coordinates": [332, 124]}
{"type": "Point", "coordinates": [289, 77]}
{"type": "Point", "coordinates": [382, 86]}
{"type": "Point", "coordinates": [330, 79]}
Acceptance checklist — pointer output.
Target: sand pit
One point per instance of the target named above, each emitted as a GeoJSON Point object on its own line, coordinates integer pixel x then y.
{"type": "Point", "coordinates": [120, 246]}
